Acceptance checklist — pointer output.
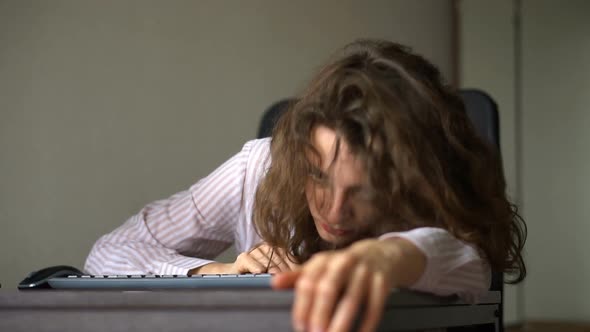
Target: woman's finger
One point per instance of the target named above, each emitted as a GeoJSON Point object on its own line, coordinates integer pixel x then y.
{"type": "Point", "coordinates": [271, 258]}
{"type": "Point", "coordinates": [279, 261]}
{"type": "Point", "coordinates": [329, 288]}
{"type": "Point", "coordinates": [285, 280]}
{"type": "Point", "coordinates": [304, 290]}
{"type": "Point", "coordinates": [375, 302]}
{"type": "Point", "coordinates": [262, 254]}
{"type": "Point", "coordinates": [245, 263]}
{"type": "Point", "coordinates": [347, 310]}
{"type": "Point", "coordinates": [288, 263]}
{"type": "Point", "coordinates": [292, 264]}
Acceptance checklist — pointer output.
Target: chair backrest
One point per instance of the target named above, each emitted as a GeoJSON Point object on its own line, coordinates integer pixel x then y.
{"type": "Point", "coordinates": [480, 107]}
{"type": "Point", "coordinates": [271, 116]}
{"type": "Point", "coordinates": [481, 110]}
{"type": "Point", "coordinates": [483, 113]}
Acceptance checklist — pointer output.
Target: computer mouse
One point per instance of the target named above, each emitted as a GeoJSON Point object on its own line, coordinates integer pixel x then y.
{"type": "Point", "coordinates": [38, 279]}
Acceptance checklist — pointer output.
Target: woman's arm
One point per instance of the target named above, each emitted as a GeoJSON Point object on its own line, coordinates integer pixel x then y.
{"type": "Point", "coordinates": [166, 236]}
{"type": "Point", "coordinates": [333, 285]}
{"type": "Point", "coordinates": [452, 266]}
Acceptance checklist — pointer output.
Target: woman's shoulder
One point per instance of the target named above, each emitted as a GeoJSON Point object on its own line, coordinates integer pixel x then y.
{"type": "Point", "coordinates": [257, 152]}
{"type": "Point", "coordinates": [257, 149]}
{"type": "Point", "coordinates": [259, 143]}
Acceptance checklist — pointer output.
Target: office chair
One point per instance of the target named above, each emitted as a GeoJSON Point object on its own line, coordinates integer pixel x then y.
{"type": "Point", "coordinates": [271, 116]}
{"type": "Point", "coordinates": [483, 113]}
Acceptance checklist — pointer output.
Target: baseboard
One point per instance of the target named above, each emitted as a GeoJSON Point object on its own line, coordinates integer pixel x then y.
{"type": "Point", "coordinates": [549, 326]}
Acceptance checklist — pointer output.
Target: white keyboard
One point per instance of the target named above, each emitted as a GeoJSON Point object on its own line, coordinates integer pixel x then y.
{"type": "Point", "coordinates": [161, 281]}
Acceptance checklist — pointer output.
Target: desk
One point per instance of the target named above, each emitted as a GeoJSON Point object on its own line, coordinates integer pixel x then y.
{"type": "Point", "coordinates": [213, 310]}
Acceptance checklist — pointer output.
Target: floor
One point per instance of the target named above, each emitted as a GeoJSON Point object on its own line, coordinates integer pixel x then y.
{"type": "Point", "coordinates": [550, 326]}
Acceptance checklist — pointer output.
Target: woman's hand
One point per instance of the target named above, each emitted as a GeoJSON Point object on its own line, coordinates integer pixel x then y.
{"type": "Point", "coordinates": [333, 285]}
{"type": "Point", "coordinates": [257, 260]}
{"type": "Point", "coordinates": [262, 257]}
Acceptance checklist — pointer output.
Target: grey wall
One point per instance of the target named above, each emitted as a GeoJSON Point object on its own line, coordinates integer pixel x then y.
{"type": "Point", "coordinates": [107, 105]}
{"type": "Point", "coordinates": [487, 63]}
{"type": "Point", "coordinates": [556, 114]}
{"type": "Point", "coordinates": [556, 154]}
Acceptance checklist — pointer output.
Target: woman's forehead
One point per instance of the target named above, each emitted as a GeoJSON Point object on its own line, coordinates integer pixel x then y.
{"type": "Point", "coordinates": [330, 148]}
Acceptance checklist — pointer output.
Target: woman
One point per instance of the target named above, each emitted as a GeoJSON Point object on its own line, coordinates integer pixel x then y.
{"type": "Point", "coordinates": [373, 179]}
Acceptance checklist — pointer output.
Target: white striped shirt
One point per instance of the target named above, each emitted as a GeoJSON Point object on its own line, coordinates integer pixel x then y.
{"type": "Point", "coordinates": [192, 227]}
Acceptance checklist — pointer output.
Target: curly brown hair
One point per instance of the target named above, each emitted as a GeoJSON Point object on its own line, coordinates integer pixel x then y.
{"type": "Point", "coordinates": [425, 163]}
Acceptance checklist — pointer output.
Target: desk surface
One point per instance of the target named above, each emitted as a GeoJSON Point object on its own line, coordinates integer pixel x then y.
{"type": "Point", "coordinates": [213, 310]}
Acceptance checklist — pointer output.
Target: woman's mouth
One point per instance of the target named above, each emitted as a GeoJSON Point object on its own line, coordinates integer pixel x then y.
{"type": "Point", "coordinates": [335, 231]}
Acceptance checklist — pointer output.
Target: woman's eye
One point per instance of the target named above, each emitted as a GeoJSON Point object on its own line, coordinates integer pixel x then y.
{"type": "Point", "coordinates": [317, 175]}
{"type": "Point", "coordinates": [363, 194]}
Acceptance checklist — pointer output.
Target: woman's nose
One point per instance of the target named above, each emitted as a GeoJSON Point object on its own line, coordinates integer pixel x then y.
{"type": "Point", "coordinates": [337, 207]}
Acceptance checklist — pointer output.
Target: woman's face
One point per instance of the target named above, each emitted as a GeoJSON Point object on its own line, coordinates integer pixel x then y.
{"type": "Point", "coordinates": [337, 190]}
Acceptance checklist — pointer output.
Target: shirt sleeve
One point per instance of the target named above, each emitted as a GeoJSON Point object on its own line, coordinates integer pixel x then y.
{"type": "Point", "coordinates": [182, 232]}
{"type": "Point", "coordinates": [452, 266]}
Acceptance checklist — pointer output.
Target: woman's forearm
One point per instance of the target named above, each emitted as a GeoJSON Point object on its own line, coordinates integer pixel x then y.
{"type": "Point", "coordinates": [407, 261]}
{"type": "Point", "coordinates": [211, 268]}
